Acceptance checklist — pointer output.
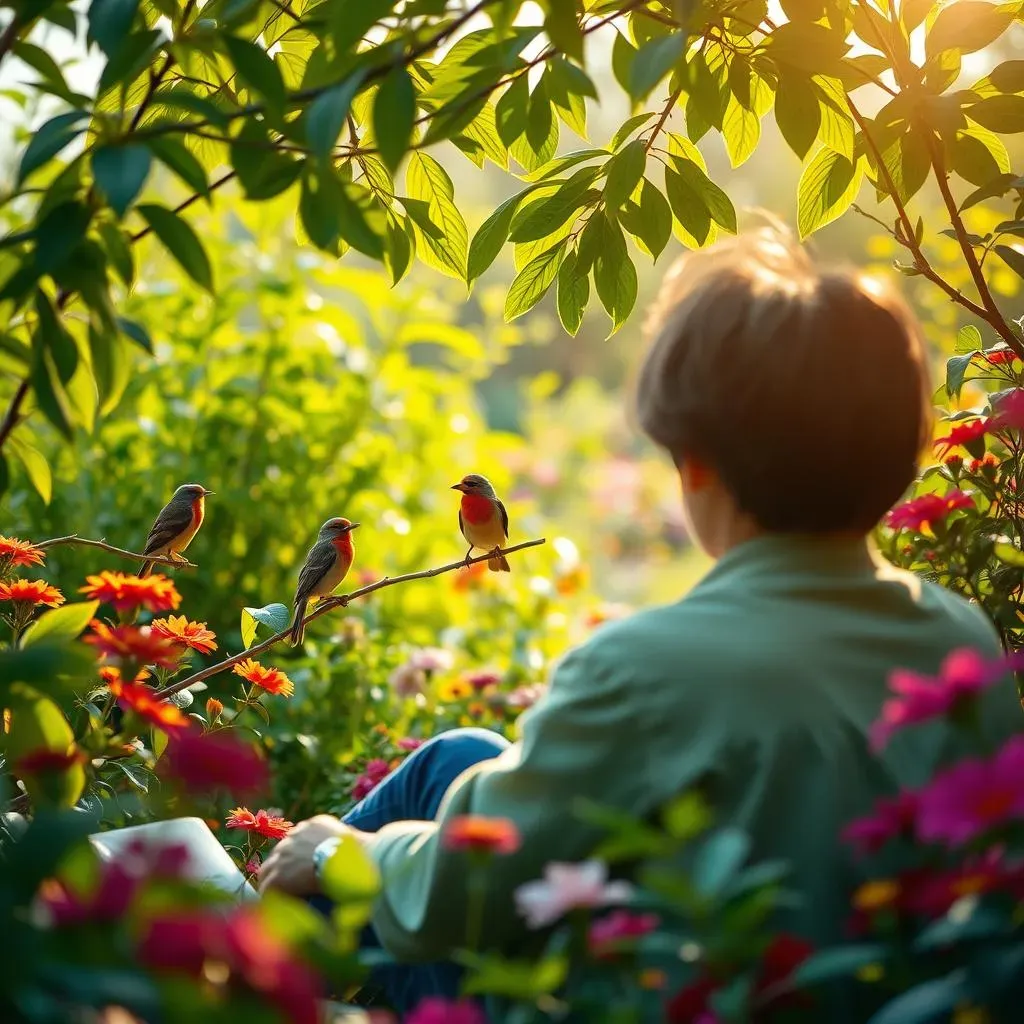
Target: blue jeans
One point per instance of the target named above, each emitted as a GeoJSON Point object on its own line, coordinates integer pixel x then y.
{"type": "Point", "coordinates": [413, 792]}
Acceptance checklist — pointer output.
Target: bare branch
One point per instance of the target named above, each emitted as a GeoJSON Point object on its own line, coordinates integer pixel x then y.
{"type": "Point", "coordinates": [73, 538]}
{"type": "Point", "coordinates": [338, 602]}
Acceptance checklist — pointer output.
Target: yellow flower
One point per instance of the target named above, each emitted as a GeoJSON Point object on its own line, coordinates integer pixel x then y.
{"type": "Point", "coordinates": [652, 979]}
{"type": "Point", "coordinates": [449, 691]}
{"type": "Point", "coordinates": [967, 1014]}
{"type": "Point", "coordinates": [876, 895]}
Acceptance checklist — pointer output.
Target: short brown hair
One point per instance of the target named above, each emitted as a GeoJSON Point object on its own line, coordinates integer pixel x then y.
{"type": "Point", "coordinates": [806, 390]}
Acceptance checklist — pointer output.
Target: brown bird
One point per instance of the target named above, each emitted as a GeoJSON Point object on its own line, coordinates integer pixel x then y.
{"type": "Point", "coordinates": [326, 565]}
{"type": "Point", "coordinates": [483, 519]}
{"type": "Point", "coordinates": [177, 524]}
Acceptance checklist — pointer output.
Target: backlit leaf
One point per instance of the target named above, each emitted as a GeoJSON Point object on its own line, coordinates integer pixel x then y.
{"type": "Point", "coordinates": [828, 186]}
{"type": "Point", "coordinates": [181, 242]}
{"type": "Point", "coordinates": [532, 282]}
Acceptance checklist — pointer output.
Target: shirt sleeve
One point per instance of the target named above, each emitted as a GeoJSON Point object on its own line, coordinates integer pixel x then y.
{"type": "Point", "coordinates": [585, 739]}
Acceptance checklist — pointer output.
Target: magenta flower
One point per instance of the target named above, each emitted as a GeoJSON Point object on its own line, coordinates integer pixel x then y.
{"type": "Point", "coordinates": [433, 1010]}
{"type": "Point", "coordinates": [607, 933]}
{"type": "Point", "coordinates": [375, 772]}
{"type": "Point", "coordinates": [483, 678]}
{"type": "Point", "coordinates": [973, 797]}
{"type": "Point", "coordinates": [919, 698]}
{"type": "Point", "coordinates": [927, 510]}
{"type": "Point", "coordinates": [892, 817]}
{"type": "Point", "coordinates": [409, 743]}
{"type": "Point", "coordinates": [1009, 412]}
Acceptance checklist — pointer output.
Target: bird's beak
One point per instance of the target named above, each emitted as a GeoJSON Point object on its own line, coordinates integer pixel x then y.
{"type": "Point", "coordinates": [458, 487]}
{"type": "Point", "coordinates": [353, 526]}
{"type": "Point", "coordinates": [207, 493]}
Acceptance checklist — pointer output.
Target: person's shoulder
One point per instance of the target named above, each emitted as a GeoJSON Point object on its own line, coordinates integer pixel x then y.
{"type": "Point", "coordinates": [962, 622]}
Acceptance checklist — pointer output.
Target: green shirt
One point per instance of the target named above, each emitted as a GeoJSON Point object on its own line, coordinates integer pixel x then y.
{"type": "Point", "coordinates": [764, 680]}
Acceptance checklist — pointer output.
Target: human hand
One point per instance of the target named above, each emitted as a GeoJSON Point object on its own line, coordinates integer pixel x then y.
{"type": "Point", "coordinates": [290, 866]}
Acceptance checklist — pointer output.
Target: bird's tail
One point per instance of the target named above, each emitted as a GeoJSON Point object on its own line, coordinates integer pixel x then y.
{"type": "Point", "coordinates": [498, 564]}
{"type": "Point", "coordinates": [298, 629]}
{"type": "Point", "coordinates": [147, 568]}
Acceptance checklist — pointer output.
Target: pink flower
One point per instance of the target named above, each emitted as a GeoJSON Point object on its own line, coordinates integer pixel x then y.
{"type": "Point", "coordinates": [376, 770]}
{"type": "Point", "coordinates": [566, 887]}
{"type": "Point", "coordinates": [483, 678]}
{"type": "Point", "coordinates": [927, 510]}
{"type": "Point", "coordinates": [608, 933]}
{"type": "Point", "coordinates": [409, 743]}
{"type": "Point", "coordinates": [962, 675]}
{"type": "Point", "coordinates": [433, 1010]}
{"type": "Point", "coordinates": [1009, 411]}
{"type": "Point", "coordinates": [432, 659]}
{"type": "Point", "coordinates": [893, 817]}
{"type": "Point", "coordinates": [407, 680]}
{"type": "Point", "coordinates": [201, 762]}
{"type": "Point", "coordinates": [525, 696]}
{"type": "Point", "coordinates": [973, 797]}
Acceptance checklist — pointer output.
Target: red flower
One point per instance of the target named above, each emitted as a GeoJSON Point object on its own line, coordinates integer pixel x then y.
{"type": "Point", "coordinates": [891, 818]}
{"type": "Point", "coordinates": [18, 552]}
{"type": "Point", "coordinates": [961, 434]}
{"type": "Point", "coordinates": [1001, 355]}
{"type": "Point", "coordinates": [979, 465]}
{"type": "Point", "coordinates": [477, 833]}
{"type": "Point", "coordinates": [273, 680]}
{"type": "Point", "coordinates": [201, 762]}
{"type": "Point", "coordinates": [31, 592]}
{"type": "Point", "coordinates": [435, 1010]}
{"type": "Point", "coordinates": [690, 1003]}
{"type": "Point", "coordinates": [143, 701]}
{"type": "Point", "coordinates": [483, 678]}
{"type": "Point", "coordinates": [1009, 411]}
{"type": "Point", "coordinates": [932, 894]}
{"type": "Point", "coordinates": [375, 772]}
{"type": "Point", "coordinates": [783, 956]}
{"type": "Point", "coordinates": [183, 942]}
{"type": "Point", "coordinates": [188, 634]}
{"type": "Point", "coordinates": [125, 592]}
{"type": "Point", "coordinates": [37, 762]}
{"type": "Point", "coordinates": [133, 643]}
{"type": "Point", "coordinates": [265, 824]}
{"type": "Point", "coordinates": [926, 510]}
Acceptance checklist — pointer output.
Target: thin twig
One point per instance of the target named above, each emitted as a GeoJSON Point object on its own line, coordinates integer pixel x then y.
{"type": "Point", "coordinates": [10, 420]}
{"type": "Point", "coordinates": [659, 126]}
{"type": "Point", "coordinates": [338, 602]}
{"type": "Point", "coordinates": [10, 35]}
{"type": "Point", "coordinates": [139, 235]}
{"type": "Point", "coordinates": [73, 538]}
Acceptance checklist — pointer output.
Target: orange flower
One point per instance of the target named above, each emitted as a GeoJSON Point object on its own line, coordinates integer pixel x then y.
{"type": "Point", "coordinates": [31, 592]}
{"type": "Point", "coordinates": [19, 552]}
{"type": "Point", "coordinates": [133, 643]}
{"type": "Point", "coordinates": [265, 824]}
{"type": "Point", "coordinates": [214, 708]}
{"type": "Point", "coordinates": [111, 675]}
{"type": "Point", "coordinates": [480, 834]}
{"type": "Point", "coordinates": [124, 592]}
{"type": "Point", "coordinates": [144, 702]}
{"type": "Point", "coordinates": [273, 680]}
{"type": "Point", "coordinates": [189, 634]}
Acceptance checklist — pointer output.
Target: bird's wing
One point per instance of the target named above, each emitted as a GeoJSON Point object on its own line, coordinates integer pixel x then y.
{"type": "Point", "coordinates": [319, 560]}
{"type": "Point", "coordinates": [174, 518]}
{"type": "Point", "coordinates": [504, 516]}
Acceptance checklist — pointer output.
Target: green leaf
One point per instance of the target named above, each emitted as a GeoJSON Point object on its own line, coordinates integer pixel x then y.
{"type": "Point", "coordinates": [653, 61]}
{"type": "Point", "coordinates": [630, 125]}
{"type": "Point", "coordinates": [58, 233]}
{"type": "Point", "coordinates": [492, 235]}
{"type": "Point", "coordinates": [276, 617]}
{"type": "Point", "coordinates": [539, 219]}
{"type": "Point", "coordinates": [137, 333]}
{"type": "Point", "coordinates": [532, 282]}
{"type": "Point", "coordinates": [1008, 76]}
{"type": "Point", "coordinates": [318, 206]}
{"type": "Point", "coordinates": [399, 247]}
{"type": "Point", "coordinates": [563, 29]}
{"type": "Point", "coordinates": [836, 129]}
{"type": "Point", "coordinates": [349, 875]}
{"type": "Point", "coordinates": [908, 163]}
{"type": "Point", "coordinates": [808, 46]}
{"type": "Point", "coordinates": [623, 173]}
{"type": "Point", "coordinates": [110, 21]}
{"type": "Point", "coordinates": [350, 20]}
{"type": "Point", "coordinates": [572, 294]}
{"type": "Point", "coordinates": [840, 962]}
{"type": "Point", "coordinates": [50, 394]}
{"type": "Point", "coordinates": [623, 56]}
{"type": "Point", "coordinates": [60, 625]}
{"type": "Point", "coordinates": [797, 111]}
{"type": "Point", "coordinates": [118, 250]}
{"type": "Point", "coordinates": [176, 156]}
{"type": "Point", "coordinates": [687, 816]}
{"type": "Point", "coordinates": [257, 71]}
{"type": "Point", "coordinates": [614, 273]}
{"type": "Point", "coordinates": [967, 26]}
{"type": "Point", "coordinates": [38, 724]}
{"type": "Point", "coordinates": [718, 860]}
{"type": "Point", "coordinates": [828, 186]}
{"type": "Point", "coordinates": [1012, 257]}
{"type": "Point", "coordinates": [441, 236]}
{"type": "Point", "coordinates": [968, 339]}
{"type": "Point", "coordinates": [1003, 114]}
{"type": "Point", "coordinates": [121, 172]}
{"type": "Point", "coordinates": [129, 61]}
{"type": "Point", "coordinates": [650, 220]}
{"type": "Point", "coordinates": [522, 980]}
{"type": "Point", "coordinates": [394, 110]}
{"type": "Point", "coordinates": [512, 110]}
{"type": "Point", "coordinates": [931, 1000]}
{"type": "Point", "coordinates": [698, 184]}
{"type": "Point", "coordinates": [1009, 553]}
{"type": "Point", "coordinates": [326, 115]}
{"type": "Point", "coordinates": [567, 87]}
{"type": "Point", "coordinates": [538, 144]}
{"type": "Point", "coordinates": [35, 465]}
{"type": "Point", "coordinates": [741, 129]}
{"type": "Point", "coordinates": [361, 220]}
{"type": "Point", "coordinates": [181, 242]}
{"type": "Point", "coordinates": [956, 371]}
{"type": "Point", "coordinates": [49, 139]}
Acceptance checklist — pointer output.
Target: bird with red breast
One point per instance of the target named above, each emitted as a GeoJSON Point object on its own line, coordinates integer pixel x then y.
{"type": "Point", "coordinates": [483, 519]}
{"type": "Point", "coordinates": [326, 565]}
{"type": "Point", "coordinates": [177, 524]}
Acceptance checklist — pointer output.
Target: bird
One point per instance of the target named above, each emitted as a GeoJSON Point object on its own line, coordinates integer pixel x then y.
{"type": "Point", "coordinates": [177, 524]}
{"type": "Point", "coordinates": [483, 519]}
{"type": "Point", "coordinates": [326, 565]}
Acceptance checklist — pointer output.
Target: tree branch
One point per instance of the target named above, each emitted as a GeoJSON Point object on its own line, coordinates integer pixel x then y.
{"type": "Point", "coordinates": [660, 124]}
{"type": "Point", "coordinates": [337, 602]}
{"type": "Point", "coordinates": [9, 36]}
{"type": "Point", "coordinates": [223, 180]}
{"type": "Point", "coordinates": [73, 538]}
{"type": "Point", "coordinates": [10, 420]}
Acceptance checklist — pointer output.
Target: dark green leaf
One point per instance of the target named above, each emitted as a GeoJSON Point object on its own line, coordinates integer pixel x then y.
{"type": "Point", "coordinates": [49, 140]}
{"type": "Point", "coordinates": [1003, 114]}
{"type": "Point", "coordinates": [318, 207]}
{"type": "Point", "coordinates": [540, 141]}
{"type": "Point", "coordinates": [118, 251]}
{"type": "Point", "coordinates": [110, 21]}
{"type": "Point", "coordinates": [797, 111]}
{"type": "Point", "coordinates": [567, 87]}
{"type": "Point", "coordinates": [257, 71]}
{"type": "Point", "coordinates": [175, 155]}
{"type": "Point", "coordinates": [530, 284]}
{"type": "Point", "coordinates": [808, 46]}
{"type": "Point", "coordinates": [572, 294]}
{"type": "Point", "coordinates": [492, 235]}
{"type": "Point", "coordinates": [614, 273]}
{"type": "Point", "coordinates": [653, 61]}
{"type": "Point", "coordinates": [136, 332]}
{"type": "Point", "coordinates": [956, 370]}
{"type": "Point", "coordinates": [967, 26]}
{"type": "Point", "coordinates": [50, 394]}
{"type": "Point", "coordinates": [1008, 76]}
{"type": "Point", "coordinates": [1012, 257]}
{"type": "Point", "coordinates": [623, 56]}
{"type": "Point", "coordinates": [718, 204]}
{"type": "Point", "coordinates": [998, 186]}
{"type": "Point", "coordinates": [650, 220]}
{"type": "Point", "coordinates": [326, 115]}
{"type": "Point", "coordinates": [512, 110]}
{"type": "Point", "coordinates": [630, 125]}
{"type": "Point", "coordinates": [350, 20]}
{"type": "Point", "coordinates": [181, 242]}
{"type": "Point", "coordinates": [361, 220]}
{"type": "Point", "coordinates": [394, 111]}
{"type": "Point", "coordinates": [121, 172]}
{"type": "Point", "coordinates": [400, 243]}
{"type": "Point", "coordinates": [563, 28]}
{"type": "Point", "coordinates": [840, 962]}
{"type": "Point", "coordinates": [131, 59]}
{"type": "Point", "coordinates": [931, 1000]}
{"type": "Point", "coordinates": [51, 334]}
{"type": "Point", "coordinates": [623, 173]}
{"type": "Point", "coordinates": [539, 219]}
{"type": "Point", "coordinates": [58, 233]}
{"type": "Point", "coordinates": [718, 860]}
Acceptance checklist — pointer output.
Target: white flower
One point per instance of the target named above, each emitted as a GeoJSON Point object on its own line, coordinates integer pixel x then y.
{"type": "Point", "coordinates": [566, 887]}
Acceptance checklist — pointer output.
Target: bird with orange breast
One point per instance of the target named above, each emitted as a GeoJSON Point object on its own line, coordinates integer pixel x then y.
{"type": "Point", "coordinates": [483, 519]}
{"type": "Point", "coordinates": [177, 524]}
{"type": "Point", "coordinates": [326, 565]}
